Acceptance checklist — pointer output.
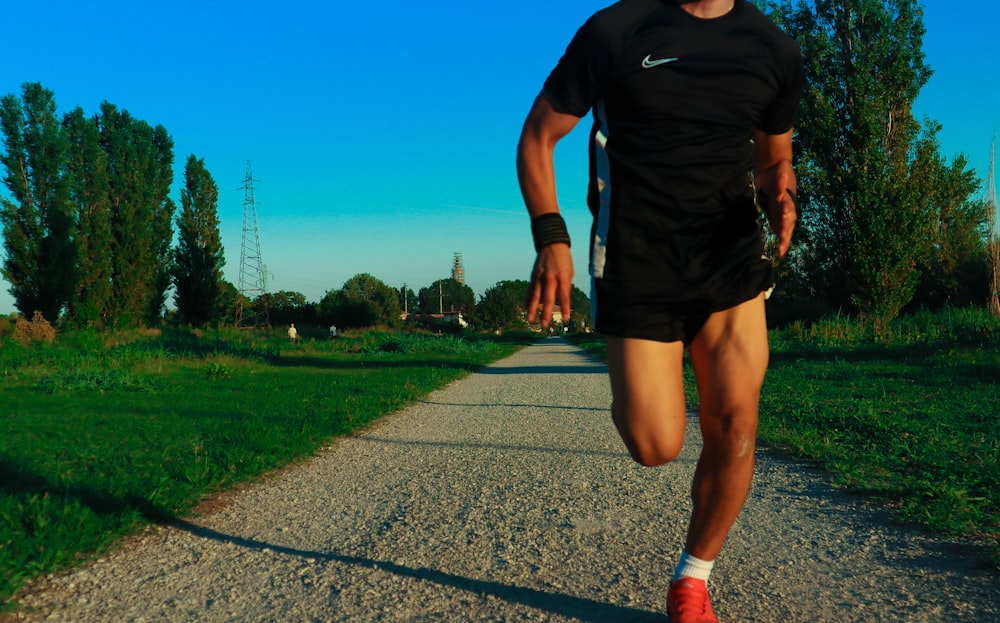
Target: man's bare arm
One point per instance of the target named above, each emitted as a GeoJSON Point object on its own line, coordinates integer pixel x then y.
{"type": "Point", "coordinates": [552, 274]}
{"type": "Point", "coordinates": [776, 178]}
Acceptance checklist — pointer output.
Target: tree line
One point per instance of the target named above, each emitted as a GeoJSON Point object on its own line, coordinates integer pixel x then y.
{"type": "Point", "coordinates": [89, 229]}
{"type": "Point", "coordinates": [887, 223]}
{"type": "Point", "coordinates": [366, 301]}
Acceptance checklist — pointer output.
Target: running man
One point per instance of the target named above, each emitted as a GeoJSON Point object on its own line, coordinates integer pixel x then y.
{"type": "Point", "coordinates": [693, 105]}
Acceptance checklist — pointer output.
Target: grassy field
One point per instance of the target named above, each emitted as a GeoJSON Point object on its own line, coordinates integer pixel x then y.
{"type": "Point", "coordinates": [910, 415]}
{"type": "Point", "coordinates": [102, 434]}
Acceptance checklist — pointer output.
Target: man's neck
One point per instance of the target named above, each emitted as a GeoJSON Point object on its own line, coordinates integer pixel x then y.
{"type": "Point", "coordinates": [708, 9]}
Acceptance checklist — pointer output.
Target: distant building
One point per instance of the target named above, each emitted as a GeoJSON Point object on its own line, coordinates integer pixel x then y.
{"type": "Point", "coordinates": [457, 271]}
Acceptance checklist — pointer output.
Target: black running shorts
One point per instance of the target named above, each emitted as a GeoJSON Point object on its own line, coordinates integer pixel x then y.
{"type": "Point", "coordinates": [722, 274]}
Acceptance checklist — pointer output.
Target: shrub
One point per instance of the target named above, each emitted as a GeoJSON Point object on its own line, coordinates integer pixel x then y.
{"type": "Point", "coordinates": [37, 329]}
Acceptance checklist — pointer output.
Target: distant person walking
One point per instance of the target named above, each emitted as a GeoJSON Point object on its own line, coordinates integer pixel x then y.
{"type": "Point", "coordinates": [333, 332]}
{"type": "Point", "coordinates": [693, 104]}
{"type": "Point", "coordinates": [293, 334]}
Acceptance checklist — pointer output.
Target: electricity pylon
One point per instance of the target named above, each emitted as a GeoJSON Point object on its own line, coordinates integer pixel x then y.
{"type": "Point", "coordinates": [251, 304]}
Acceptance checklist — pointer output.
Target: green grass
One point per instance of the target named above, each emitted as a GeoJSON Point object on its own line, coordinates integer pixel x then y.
{"type": "Point", "coordinates": [103, 434]}
{"type": "Point", "coordinates": [909, 414]}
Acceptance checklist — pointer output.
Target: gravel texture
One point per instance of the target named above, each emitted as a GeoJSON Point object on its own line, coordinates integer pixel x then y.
{"type": "Point", "coordinates": [507, 496]}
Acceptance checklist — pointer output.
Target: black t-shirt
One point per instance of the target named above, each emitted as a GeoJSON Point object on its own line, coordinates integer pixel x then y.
{"type": "Point", "coordinates": [675, 100]}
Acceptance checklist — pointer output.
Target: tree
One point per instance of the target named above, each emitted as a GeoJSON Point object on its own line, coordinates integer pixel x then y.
{"type": "Point", "coordinates": [581, 309]}
{"type": "Point", "coordinates": [286, 307]}
{"type": "Point", "coordinates": [363, 301]}
{"type": "Point", "coordinates": [88, 174]}
{"type": "Point", "coordinates": [161, 175]}
{"type": "Point", "coordinates": [954, 269]}
{"type": "Point", "coordinates": [228, 298]}
{"type": "Point", "coordinates": [199, 256]}
{"type": "Point", "coordinates": [867, 214]}
{"type": "Point", "coordinates": [335, 308]}
{"type": "Point", "coordinates": [445, 295]}
{"type": "Point", "coordinates": [501, 307]}
{"type": "Point", "coordinates": [140, 160]}
{"type": "Point", "coordinates": [38, 224]}
{"type": "Point", "coordinates": [992, 239]}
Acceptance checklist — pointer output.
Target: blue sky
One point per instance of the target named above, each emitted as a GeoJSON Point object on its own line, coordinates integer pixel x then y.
{"type": "Point", "coordinates": [382, 135]}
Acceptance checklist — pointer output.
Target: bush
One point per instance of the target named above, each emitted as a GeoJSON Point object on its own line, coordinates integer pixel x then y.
{"type": "Point", "coordinates": [6, 326]}
{"type": "Point", "coordinates": [37, 329]}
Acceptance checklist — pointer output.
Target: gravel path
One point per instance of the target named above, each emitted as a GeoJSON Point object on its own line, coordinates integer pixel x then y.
{"type": "Point", "coordinates": [507, 496]}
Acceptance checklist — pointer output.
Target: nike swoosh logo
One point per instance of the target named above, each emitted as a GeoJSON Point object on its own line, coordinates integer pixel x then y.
{"type": "Point", "coordinates": [648, 62]}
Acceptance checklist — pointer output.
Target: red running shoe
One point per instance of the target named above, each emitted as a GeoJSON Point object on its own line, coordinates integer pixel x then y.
{"type": "Point", "coordinates": [687, 602]}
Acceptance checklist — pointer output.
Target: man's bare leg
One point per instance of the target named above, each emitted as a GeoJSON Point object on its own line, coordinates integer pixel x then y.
{"type": "Point", "coordinates": [730, 356]}
{"type": "Point", "coordinates": [648, 389]}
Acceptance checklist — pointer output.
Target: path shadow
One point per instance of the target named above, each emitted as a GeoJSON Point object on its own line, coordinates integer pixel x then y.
{"type": "Point", "coordinates": [515, 405]}
{"type": "Point", "coordinates": [491, 446]}
{"type": "Point", "coordinates": [362, 363]}
{"type": "Point", "coordinates": [16, 479]}
{"type": "Point", "coordinates": [577, 369]}
{"type": "Point", "coordinates": [377, 363]}
{"type": "Point", "coordinates": [561, 604]}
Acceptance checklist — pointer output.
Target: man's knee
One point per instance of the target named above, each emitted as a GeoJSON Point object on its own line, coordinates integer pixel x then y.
{"type": "Point", "coordinates": [732, 433]}
{"type": "Point", "coordinates": [654, 455]}
{"type": "Point", "coordinates": [649, 448]}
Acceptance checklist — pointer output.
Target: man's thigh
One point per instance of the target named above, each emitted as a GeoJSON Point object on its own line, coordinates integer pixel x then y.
{"type": "Point", "coordinates": [648, 389]}
{"type": "Point", "coordinates": [730, 356]}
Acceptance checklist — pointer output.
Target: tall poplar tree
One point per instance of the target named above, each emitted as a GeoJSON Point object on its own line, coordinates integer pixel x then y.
{"type": "Point", "coordinates": [140, 160]}
{"type": "Point", "coordinates": [198, 257]}
{"type": "Point", "coordinates": [88, 172]}
{"type": "Point", "coordinates": [40, 261]}
{"type": "Point", "coordinates": [163, 210]}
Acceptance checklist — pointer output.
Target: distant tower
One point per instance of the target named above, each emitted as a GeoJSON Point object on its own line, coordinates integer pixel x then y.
{"type": "Point", "coordinates": [457, 272]}
{"type": "Point", "coordinates": [251, 306]}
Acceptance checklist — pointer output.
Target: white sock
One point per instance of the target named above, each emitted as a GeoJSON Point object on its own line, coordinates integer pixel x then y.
{"type": "Point", "coordinates": [691, 567]}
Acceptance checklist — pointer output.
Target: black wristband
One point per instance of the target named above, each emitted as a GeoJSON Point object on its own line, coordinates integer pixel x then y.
{"type": "Point", "coordinates": [547, 229]}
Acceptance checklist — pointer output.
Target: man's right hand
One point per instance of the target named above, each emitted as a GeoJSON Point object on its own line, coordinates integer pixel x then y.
{"type": "Point", "coordinates": [782, 214]}
{"type": "Point", "coordinates": [552, 276]}
{"type": "Point", "coordinates": [551, 283]}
